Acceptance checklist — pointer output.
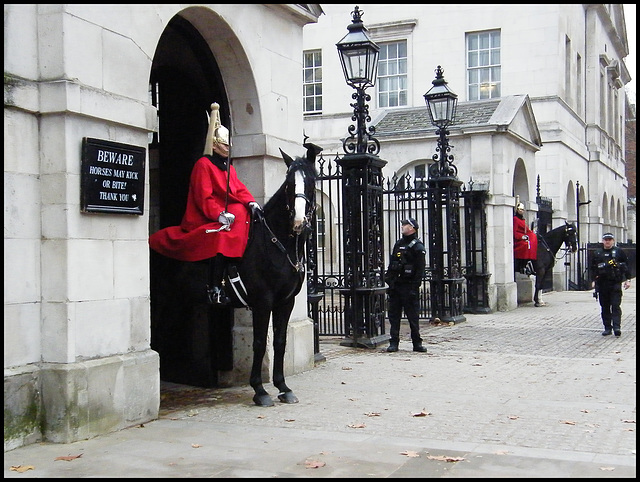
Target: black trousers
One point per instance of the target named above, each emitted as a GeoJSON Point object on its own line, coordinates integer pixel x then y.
{"type": "Point", "coordinates": [610, 297]}
{"type": "Point", "coordinates": [405, 298]}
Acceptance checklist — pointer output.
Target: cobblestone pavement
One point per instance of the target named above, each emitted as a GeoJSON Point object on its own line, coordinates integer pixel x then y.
{"type": "Point", "coordinates": [535, 392]}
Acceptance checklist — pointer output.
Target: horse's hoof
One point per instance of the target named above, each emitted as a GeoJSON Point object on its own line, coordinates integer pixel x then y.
{"type": "Point", "coordinates": [263, 400]}
{"type": "Point", "coordinates": [287, 397]}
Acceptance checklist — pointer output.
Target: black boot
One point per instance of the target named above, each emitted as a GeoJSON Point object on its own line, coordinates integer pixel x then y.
{"type": "Point", "coordinates": [607, 330]}
{"type": "Point", "coordinates": [616, 329]}
{"type": "Point", "coordinates": [393, 346]}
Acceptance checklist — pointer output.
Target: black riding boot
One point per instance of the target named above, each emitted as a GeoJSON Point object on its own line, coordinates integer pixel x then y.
{"type": "Point", "coordinates": [215, 293]}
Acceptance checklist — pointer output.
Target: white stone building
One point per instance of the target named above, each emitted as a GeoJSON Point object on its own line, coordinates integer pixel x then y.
{"type": "Point", "coordinates": [541, 95]}
{"type": "Point", "coordinates": [79, 326]}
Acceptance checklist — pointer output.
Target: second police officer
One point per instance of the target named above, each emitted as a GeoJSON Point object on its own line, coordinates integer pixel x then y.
{"type": "Point", "coordinates": [404, 277]}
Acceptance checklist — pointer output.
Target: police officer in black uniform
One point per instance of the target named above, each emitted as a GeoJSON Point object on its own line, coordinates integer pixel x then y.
{"type": "Point", "coordinates": [404, 277]}
{"type": "Point", "coordinates": [609, 269]}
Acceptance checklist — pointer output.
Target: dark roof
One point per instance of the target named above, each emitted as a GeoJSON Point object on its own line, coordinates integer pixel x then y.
{"type": "Point", "coordinates": [415, 120]}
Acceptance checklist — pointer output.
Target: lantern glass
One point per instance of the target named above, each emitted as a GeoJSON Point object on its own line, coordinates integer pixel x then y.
{"type": "Point", "coordinates": [359, 63]}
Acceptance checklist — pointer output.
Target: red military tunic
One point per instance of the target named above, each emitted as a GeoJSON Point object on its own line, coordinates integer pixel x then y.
{"type": "Point", "coordinates": [522, 248]}
{"type": "Point", "coordinates": [205, 202]}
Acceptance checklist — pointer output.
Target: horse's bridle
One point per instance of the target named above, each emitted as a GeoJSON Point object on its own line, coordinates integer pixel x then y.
{"type": "Point", "coordinates": [311, 207]}
{"type": "Point", "coordinates": [566, 248]}
{"type": "Point", "coordinates": [299, 264]}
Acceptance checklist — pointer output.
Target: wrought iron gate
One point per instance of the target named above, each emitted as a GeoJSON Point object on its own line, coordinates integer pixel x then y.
{"type": "Point", "coordinates": [544, 224]}
{"type": "Point", "coordinates": [404, 197]}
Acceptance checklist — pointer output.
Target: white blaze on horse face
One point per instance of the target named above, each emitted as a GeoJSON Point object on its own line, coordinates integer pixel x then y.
{"type": "Point", "coordinates": [300, 202]}
{"type": "Point", "coordinates": [299, 219]}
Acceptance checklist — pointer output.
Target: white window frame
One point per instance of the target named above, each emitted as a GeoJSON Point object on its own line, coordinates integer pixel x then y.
{"type": "Point", "coordinates": [392, 82]}
{"type": "Point", "coordinates": [393, 32]}
{"type": "Point", "coordinates": [484, 65]}
{"type": "Point", "coordinates": [312, 82]}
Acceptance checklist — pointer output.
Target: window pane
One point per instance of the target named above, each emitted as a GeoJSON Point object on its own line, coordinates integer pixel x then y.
{"type": "Point", "coordinates": [473, 59]}
{"type": "Point", "coordinates": [402, 49]}
{"type": "Point", "coordinates": [495, 40]}
{"type": "Point", "coordinates": [484, 41]}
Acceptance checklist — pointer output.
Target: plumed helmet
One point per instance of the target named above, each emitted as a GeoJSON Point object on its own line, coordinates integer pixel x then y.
{"type": "Point", "coordinates": [217, 133]}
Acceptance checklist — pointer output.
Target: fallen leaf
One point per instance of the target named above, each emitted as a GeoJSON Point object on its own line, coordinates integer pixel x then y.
{"type": "Point", "coordinates": [313, 464]}
{"type": "Point", "coordinates": [445, 458]}
{"type": "Point", "coordinates": [610, 469]}
{"type": "Point", "coordinates": [513, 417]}
{"type": "Point", "coordinates": [584, 410]}
{"type": "Point", "coordinates": [628, 421]}
{"type": "Point", "coordinates": [289, 419]}
{"type": "Point", "coordinates": [260, 416]}
{"type": "Point", "coordinates": [416, 376]}
{"type": "Point", "coordinates": [568, 422]}
{"type": "Point", "coordinates": [423, 413]}
{"type": "Point", "coordinates": [410, 453]}
{"type": "Point", "coordinates": [346, 368]}
{"type": "Point", "coordinates": [373, 414]}
{"type": "Point", "coordinates": [68, 458]}
{"type": "Point", "coordinates": [357, 425]}
{"type": "Point", "coordinates": [22, 468]}
{"type": "Point", "coordinates": [196, 446]}
{"type": "Point", "coordinates": [476, 364]}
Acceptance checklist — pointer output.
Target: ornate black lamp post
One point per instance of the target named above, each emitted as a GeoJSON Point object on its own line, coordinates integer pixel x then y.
{"type": "Point", "coordinates": [364, 289]}
{"type": "Point", "coordinates": [445, 274]}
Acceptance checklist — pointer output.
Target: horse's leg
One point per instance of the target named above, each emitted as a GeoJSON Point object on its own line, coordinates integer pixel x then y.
{"type": "Point", "coordinates": [281, 316]}
{"type": "Point", "coordinates": [260, 329]}
{"type": "Point", "coordinates": [540, 274]}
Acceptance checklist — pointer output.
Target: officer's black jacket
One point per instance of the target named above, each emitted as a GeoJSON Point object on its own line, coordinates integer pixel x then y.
{"type": "Point", "coordinates": [409, 253]}
{"type": "Point", "coordinates": [610, 266]}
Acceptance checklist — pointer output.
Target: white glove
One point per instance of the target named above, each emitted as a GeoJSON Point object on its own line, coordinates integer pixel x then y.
{"type": "Point", "coordinates": [525, 237]}
{"type": "Point", "coordinates": [254, 206]}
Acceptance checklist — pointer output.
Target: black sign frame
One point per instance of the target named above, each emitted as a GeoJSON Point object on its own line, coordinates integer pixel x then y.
{"type": "Point", "coordinates": [112, 177]}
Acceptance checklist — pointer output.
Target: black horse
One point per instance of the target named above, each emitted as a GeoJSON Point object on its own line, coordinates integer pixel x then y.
{"type": "Point", "coordinates": [272, 269]}
{"type": "Point", "coordinates": [548, 245]}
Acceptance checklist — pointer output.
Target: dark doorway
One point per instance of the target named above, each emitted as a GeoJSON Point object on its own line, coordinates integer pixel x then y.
{"type": "Point", "coordinates": [193, 339]}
